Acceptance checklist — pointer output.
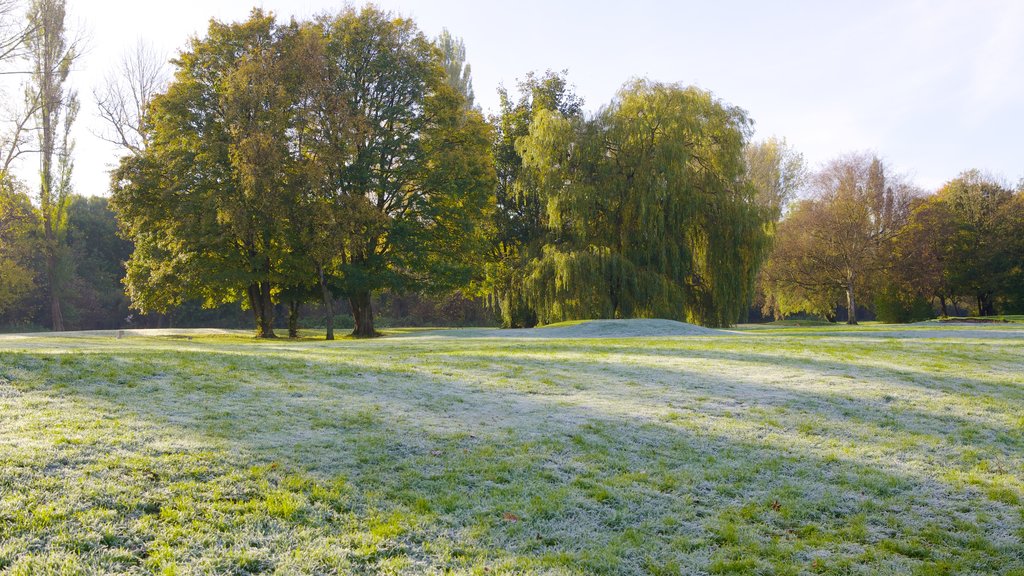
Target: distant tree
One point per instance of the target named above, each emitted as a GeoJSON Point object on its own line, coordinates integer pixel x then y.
{"type": "Point", "coordinates": [923, 252]}
{"type": "Point", "coordinates": [519, 229]}
{"type": "Point", "coordinates": [649, 207]}
{"type": "Point", "coordinates": [459, 73]}
{"type": "Point", "coordinates": [96, 299]}
{"type": "Point", "coordinates": [981, 261]}
{"type": "Point", "coordinates": [777, 172]}
{"type": "Point", "coordinates": [52, 54]}
{"type": "Point", "coordinates": [838, 241]}
{"type": "Point", "coordinates": [17, 221]}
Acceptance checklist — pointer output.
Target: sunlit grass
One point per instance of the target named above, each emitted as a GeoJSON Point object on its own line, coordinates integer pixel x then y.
{"type": "Point", "coordinates": [781, 451]}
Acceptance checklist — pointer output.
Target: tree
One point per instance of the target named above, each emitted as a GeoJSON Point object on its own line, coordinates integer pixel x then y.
{"type": "Point", "coordinates": [777, 172]}
{"type": "Point", "coordinates": [97, 299]}
{"type": "Point", "coordinates": [519, 229]}
{"type": "Point", "coordinates": [52, 54]}
{"type": "Point", "coordinates": [649, 207]}
{"type": "Point", "coordinates": [416, 186]}
{"type": "Point", "coordinates": [204, 203]}
{"type": "Point", "coordinates": [981, 246]}
{"type": "Point", "coordinates": [837, 242]}
{"type": "Point", "coordinates": [923, 253]}
{"type": "Point", "coordinates": [285, 157]}
{"type": "Point", "coordinates": [17, 220]}
{"type": "Point", "coordinates": [15, 31]}
{"type": "Point", "coordinates": [453, 58]}
{"type": "Point", "coordinates": [126, 95]}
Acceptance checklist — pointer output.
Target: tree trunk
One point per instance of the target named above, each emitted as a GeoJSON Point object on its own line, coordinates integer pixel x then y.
{"type": "Point", "coordinates": [851, 303]}
{"type": "Point", "coordinates": [328, 303]}
{"type": "Point", "coordinates": [942, 303]}
{"type": "Point", "coordinates": [55, 313]}
{"type": "Point", "coordinates": [56, 316]}
{"type": "Point", "coordinates": [293, 319]}
{"type": "Point", "coordinates": [262, 309]}
{"type": "Point", "coordinates": [362, 312]}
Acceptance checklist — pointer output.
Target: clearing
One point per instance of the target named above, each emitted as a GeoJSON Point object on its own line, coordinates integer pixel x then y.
{"type": "Point", "coordinates": [564, 450]}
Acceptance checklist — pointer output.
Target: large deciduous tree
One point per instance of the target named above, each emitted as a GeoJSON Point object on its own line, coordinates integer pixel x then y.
{"type": "Point", "coordinates": [285, 158]}
{"type": "Point", "coordinates": [836, 243]}
{"type": "Point", "coordinates": [204, 201]}
{"type": "Point", "coordinates": [649, 207]}
{"type": "Point", "coordinates": [420, 173]}
{"type": "Point", "coordinates": [983, 239]}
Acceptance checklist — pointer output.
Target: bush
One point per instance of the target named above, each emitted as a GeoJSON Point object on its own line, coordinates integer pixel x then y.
{"type": "Point", "coordinates": [895, 307]}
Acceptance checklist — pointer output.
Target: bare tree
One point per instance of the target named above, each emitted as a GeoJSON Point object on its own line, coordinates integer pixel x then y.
{"type": "Point", "coordinates": [51, 55]}
{"type": "Point", "coordinates": [127, 92]}
{"type": "Point", "coordinates": [15, 116]}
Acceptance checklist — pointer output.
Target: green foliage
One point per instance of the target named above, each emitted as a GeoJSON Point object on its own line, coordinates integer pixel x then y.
{"type": "Point", "coordinates": [519, 231]}
{"type": "Point", "coordinates": [96, 299]}
{"type": "Point", "coordinates": [329, 154]}
{"type": "Point", "coordinates": [459, 73]}
{"type": "Point", "coordinates": [18, 222]}
{"type": "Point", "coordinates": [985, 244]}
{"type": "Point", "coordinates": [202, 203]}
{"type": "Point", "coordinates": [893, 306]}
{"type": "Point", "coordinates": [777, 171]}
{"type": "Point", "coordinates": [648, 209]}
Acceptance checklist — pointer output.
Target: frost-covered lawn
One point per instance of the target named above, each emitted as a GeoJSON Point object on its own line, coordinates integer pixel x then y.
{"type": "Point", "coordinates": [779, 451]}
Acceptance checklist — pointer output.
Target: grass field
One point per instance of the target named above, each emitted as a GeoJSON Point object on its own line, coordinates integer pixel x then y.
{"type": "Point", "coordinates": [808, 450]}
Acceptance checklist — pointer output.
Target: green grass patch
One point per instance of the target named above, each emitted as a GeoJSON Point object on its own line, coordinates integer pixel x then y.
{"type": "Point", "coordinates": [783, 450]}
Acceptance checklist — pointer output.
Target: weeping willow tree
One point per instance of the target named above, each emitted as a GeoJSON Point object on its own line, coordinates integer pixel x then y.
{"type": "Point", "coordinates": [649, 209]}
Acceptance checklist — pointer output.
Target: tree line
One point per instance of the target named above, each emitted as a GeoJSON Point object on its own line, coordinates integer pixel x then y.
{"type": "Point", "coordinates": [343, 156]}
{"type": "Point", "coordinates": [865, 241]}
{"type": "Point", "coordinates": [338, 162]}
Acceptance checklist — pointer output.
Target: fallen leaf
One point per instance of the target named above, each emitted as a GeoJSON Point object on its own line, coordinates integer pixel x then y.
{"type": "Point", "coordinates": [510, 517]}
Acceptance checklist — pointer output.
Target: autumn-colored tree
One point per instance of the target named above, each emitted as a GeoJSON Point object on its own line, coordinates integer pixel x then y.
{"type": "Point", "coordinates": [836, 243]}
{"type": "Point", "coordinates": [17, 221]}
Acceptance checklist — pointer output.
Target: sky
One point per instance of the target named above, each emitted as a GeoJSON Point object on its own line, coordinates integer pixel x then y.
{"type": "Point", "coordinates": [932, 87]}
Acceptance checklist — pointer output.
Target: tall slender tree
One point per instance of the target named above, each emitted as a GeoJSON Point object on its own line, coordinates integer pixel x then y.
{"type": "Point", "coordinates": [458, 71]}
{"type": "Point", "coordinates": [52, 54]}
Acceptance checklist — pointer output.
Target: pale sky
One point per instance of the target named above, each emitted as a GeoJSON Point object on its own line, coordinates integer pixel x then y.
{"type": "Point", "coordinates": [933, 87]}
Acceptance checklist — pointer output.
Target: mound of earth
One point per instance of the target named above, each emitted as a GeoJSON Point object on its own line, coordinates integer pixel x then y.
{"type": "Point", "coordinates": [634, 328]}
